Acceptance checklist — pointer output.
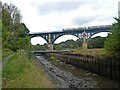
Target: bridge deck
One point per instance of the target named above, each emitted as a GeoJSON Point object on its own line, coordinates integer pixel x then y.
{"type": "Point", "coordinates": [51, 51]}
{"type": "Point", "coordinates": [90, 28]}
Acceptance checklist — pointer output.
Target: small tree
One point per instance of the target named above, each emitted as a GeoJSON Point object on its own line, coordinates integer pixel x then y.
{"type": "Point", "coordinates": [24, 42]}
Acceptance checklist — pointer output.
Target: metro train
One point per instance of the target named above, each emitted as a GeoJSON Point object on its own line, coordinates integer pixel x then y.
{"type": "Point", "coordinates": [87, 28]}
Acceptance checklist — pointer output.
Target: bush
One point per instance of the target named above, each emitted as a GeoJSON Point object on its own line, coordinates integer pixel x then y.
{"type": "Point", "coordinates": [52, 58]}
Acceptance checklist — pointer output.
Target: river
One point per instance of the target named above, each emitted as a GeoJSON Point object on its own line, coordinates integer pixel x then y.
{"type": "Point", "coordinates": [68, 76]}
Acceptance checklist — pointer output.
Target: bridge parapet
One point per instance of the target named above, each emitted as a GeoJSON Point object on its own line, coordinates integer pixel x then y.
{"type": "Point", "coordinates": [49, 51]}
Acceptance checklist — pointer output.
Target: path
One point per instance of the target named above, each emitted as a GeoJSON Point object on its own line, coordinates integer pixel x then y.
{"type": "Point", "coordinates": [2, 64]}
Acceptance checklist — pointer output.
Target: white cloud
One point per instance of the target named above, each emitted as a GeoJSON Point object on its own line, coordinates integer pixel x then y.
{"type": "Point", "coordinates": [65, 37]}
{"type": "Point", "coordinates": [59, 14]}
{"type": "Point", "coordinates": [37, 40]}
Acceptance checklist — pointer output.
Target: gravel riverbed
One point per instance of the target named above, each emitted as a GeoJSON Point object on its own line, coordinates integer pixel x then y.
{"type": "Point", "coordinates": [65, 79]}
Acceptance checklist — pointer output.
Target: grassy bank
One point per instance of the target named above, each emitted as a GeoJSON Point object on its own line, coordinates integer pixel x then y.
{"type": "Point", "coordinates": [0, 60]}
{"type": "Point", "coordinates": [20, 72]}
{"type": "Point", "coordinates": [0, 49]}
{"type": "Point", "coordinates": [90, 51]}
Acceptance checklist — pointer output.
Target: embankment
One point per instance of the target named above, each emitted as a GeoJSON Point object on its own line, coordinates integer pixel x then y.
{"type": "Point", "coordinates": [103, 66]}
{"type": "Point", "coordinates": [22, 72]}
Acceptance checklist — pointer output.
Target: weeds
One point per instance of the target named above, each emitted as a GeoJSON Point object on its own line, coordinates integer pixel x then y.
{"type": "Point", "coordinates": [21, 72]}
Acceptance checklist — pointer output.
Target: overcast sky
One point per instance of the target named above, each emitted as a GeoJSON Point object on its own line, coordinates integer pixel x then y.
{"type": "Point", "coordinates": [53, 15]}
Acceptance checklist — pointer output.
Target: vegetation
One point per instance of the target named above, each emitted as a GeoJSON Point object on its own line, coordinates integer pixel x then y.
{"type": "Point", "coordinates": [112, 44]}
{"type": "Point", "coordinates": [14, 32]}
{"type": "Point", "coordinates": [53, 59]}
{"type": "Point", "coordinates": [69, 44]}
{"type": "Point", "coordinates": [97, 52]}
{"type": "Point", "coordinates": [23, 72]}
{"type": "Point", "coordinates": [20, 72]}
{"type": "Point", "coordinates": [5, 53]}
{"type": "Point", "coordinates": [97, 42]}
{"type": "Point", "coordinates": [40, 47]}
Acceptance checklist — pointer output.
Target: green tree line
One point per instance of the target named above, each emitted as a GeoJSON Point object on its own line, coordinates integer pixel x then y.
{"type": "Point", "coordinates": [97, 42]}
{"type": "Point", "coordinates": [112, 44]}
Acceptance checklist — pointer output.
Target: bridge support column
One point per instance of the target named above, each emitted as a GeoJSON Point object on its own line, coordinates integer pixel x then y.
{"type": "Point", "coordinates": [50, 45]}
{"type": "Point", "coordinates": [84, 45]}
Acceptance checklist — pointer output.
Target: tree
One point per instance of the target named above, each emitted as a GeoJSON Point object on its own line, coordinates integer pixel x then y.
{"type": "Point", "coordinates": [40, 47]}
{"type": "Point", "coordinates": [15, 33]}
{"type": "Point", "coordinates": [112, 44]}
{"type": "Point", "coordinates": [69, 44]}
{"type": "Point", "coordinates": [97, 42]}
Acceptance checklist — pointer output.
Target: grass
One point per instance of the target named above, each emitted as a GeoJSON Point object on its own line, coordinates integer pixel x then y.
{"type": "Point", "coordinates": [0, 55]}
{"type": "Point", "coordinates": [0, 49]}
{"type": "Point", "coordinates": [97, 52]}
{"type": "Point", "coordinates": [53, 59]}
{"type": "Point", "coordinates": [0, 61]}
{"type": "Point", "coordinates": [20, 72]}
{"type": "Point", "coordinates": [6, 53]}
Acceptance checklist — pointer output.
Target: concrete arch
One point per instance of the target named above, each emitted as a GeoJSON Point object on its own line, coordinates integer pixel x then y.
{"type": "Point", "coordinates": [63, 35]}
